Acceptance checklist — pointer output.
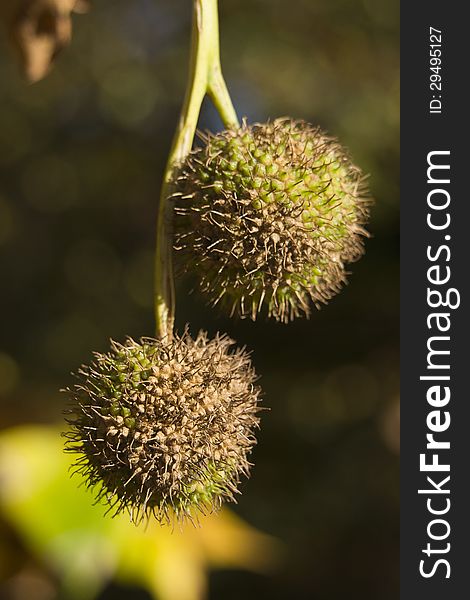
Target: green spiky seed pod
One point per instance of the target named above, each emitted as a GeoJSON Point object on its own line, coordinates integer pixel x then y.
{"type": "Point", "coordinates": [270, 213]}
{"type": "Point", "coordinates": [165, 427]}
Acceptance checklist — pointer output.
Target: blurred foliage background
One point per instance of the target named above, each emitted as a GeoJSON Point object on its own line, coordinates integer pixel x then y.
{"type": "Point", "coordinates": [81, 158]}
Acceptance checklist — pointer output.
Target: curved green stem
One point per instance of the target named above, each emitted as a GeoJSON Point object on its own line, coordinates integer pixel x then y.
{"type": "Point", "coordinates": [205, 76]}
{"type": "Point", "coordinates": [217, 90]}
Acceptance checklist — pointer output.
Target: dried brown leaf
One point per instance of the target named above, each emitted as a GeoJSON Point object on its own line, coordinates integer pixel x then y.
{"type": "Point", "coordinates": [39, 30]}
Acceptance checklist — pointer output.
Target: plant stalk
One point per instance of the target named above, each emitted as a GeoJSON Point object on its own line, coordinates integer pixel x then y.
{"type": "Point", "coordinates": [205, 77]}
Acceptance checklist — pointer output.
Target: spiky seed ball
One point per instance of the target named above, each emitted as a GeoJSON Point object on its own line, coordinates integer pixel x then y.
{"type": "Point", "coordinates": [270, 213]}
{"type": "Point", "coordinates": [165, 426]}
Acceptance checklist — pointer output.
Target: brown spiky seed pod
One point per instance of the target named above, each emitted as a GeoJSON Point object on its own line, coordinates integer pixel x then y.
{"type": "Point", "coordinates": [270, 213]}
{"type": "Point", "coordinates": [165, 426]}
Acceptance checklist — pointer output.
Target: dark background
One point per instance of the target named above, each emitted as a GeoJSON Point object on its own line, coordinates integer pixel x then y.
{"type": "Point", "coordinates": [81, 159]}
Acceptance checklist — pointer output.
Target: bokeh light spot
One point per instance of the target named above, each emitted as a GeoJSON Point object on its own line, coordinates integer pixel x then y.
{"type": "Point", "coordinates": [50, 184]}
{"type": "Point", "coordinates": [9, 374]}
{"type": "Point", "coordinates": [139, 279]}
{"type": "Point", "coordinates": [129, 93]}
